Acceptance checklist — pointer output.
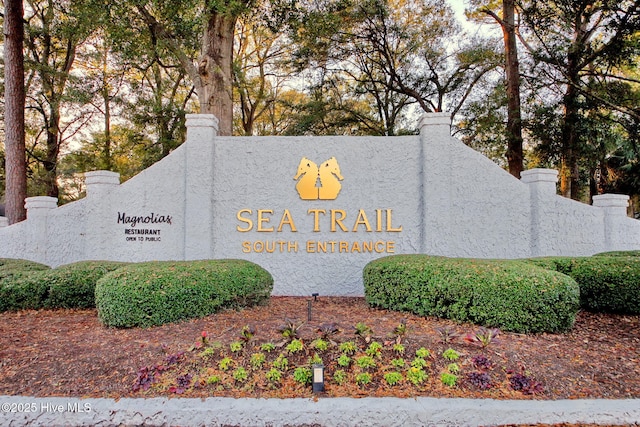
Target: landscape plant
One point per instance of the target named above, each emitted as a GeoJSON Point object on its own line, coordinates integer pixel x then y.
{"type": "Point", "coordinates": [507, 294]}
{"type": "Point", "coordinates": [155, 293]}
{"type": "Point", "coordinates": [366, 366]}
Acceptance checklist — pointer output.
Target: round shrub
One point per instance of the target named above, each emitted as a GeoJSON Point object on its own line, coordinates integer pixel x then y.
{"type": "Point", "coordinates": [9, 267]}
{"type": "Point", "coordinates": [620, 253]}
{"type": "Point", "coordinates": [609, 282]}
{"type": "Point", "coordinates": [156, 293]}
{"type": "Point", "coordinates": [68, 286]}
{"type": "Point", "coordinates": [23, 290]}
{"type": "Point", "coordinates": [73, 285]}
{"type": "Point", "coordinates": [511, 295]}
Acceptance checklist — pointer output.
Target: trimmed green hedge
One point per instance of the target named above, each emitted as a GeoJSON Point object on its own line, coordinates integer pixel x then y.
{"type": "Point", "coordinates": [608, 283]}
{"type": "Point", "coordinates": [9, 266]}
{"type": "Point", "coordinates": [156, 293]}
{"type": "Point", "coordinates": [619, 253]}
{"type": "Point", "coordinates": [68, 286]}
{"type": "Point", "coordinates": [73, 285]}
{"type": "Point", "coordinates": [23, 291]}
{"type": "Point", "coordinates": [512, 295]}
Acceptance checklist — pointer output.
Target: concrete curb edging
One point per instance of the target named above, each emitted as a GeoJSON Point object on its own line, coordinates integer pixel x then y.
{"type": "Point", "coordinates": [370, 411]}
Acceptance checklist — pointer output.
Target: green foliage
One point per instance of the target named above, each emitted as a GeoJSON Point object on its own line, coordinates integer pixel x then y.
{"type": "Point", "coordinates": [619, 253]}
{"type": "Point", "coordinates": [454, 368]}
{"type": "Point", "coordinates": [419, 362]}
{"type": "Point", "coordinates": [73, 285]}
{"type": "Point", "coordinates": [393, 378]}
{"type": "Point", "coordinates": [9, 267]}
{"type": "Point", "coordinates": [303, 375]}
{"type": "Point", "coordinates": [363, 378]}
{"type": "Point", "coordinates": [512, 295]}
{"type": "Point", "coordinates": [398, 348]}
{"type": "Point", "coordinates": [68, 286]}
{"type": "Point", "coordinates": [344, 360]}
{"type": "Point", "coordinates": [213, 379]}
{"type": "Point", "coordinates": [235, 346]}
{"type": "Point", "coordinates": [374, 349]}
{"type": "Point", "coordinates": [257, 360]}
{"type": "Point", "coordinates": [295, 346]}
{"type": "Point", "coordinates": [365, 362]}
{"type": "Point", "coordinates": [240, 374]}
{"type": "Point", "coordinates": [268, 347]}
{"type": "Point", "coordinates": [398, 363]}
{"type": "Point", "coordinates": [226, 364]}
{"type": "Point", "coordinates": [273, 375]}
{"type": "Point", "coordinates": [451, 354]}
{"type": "Point", "coordinates": [320, 344]}
{"type": "Point", "coordinates": [608, 282]}
{"type": "Point", "coordinates": [281, 363]}
{"type": "Point", "coordinates": [315, 360]}
{"type": "Point", "coordinates": [347, 347]}
{"type": "Point", "coordinates": [339, 376]}
{"type": "Point", "coordinates": [423, 352]}
{"type": "Point", "coordinates": [156, 293]}
{"type": "Point", "coordinates": [449, 379]}
{"type": "Point", "coordinates": [416, 376]}
{"type": "Point", "coordinates": [24, 291]}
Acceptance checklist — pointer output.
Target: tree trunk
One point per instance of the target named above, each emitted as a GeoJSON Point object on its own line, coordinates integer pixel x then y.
{"type": "Point", "coordinates": [514, 117]}
{"type": "Point", "coordinates": [53, 148]}
{"type": "Point", "coordinates": [16, 168]}
{"type": "Point", "coordinates": [569, 170]}
{"type": "Point", "coordinates": [215, 70]}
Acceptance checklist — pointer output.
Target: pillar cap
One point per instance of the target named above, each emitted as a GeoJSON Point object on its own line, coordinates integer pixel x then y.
{"type": "Point", "coordinates": [102, 177]}
{"type": "Point", "coordinates": [201, 120]}
{"type": "Point", "coordinates": [435, 119]}
{"type": "Point", "coordinates": [539, 175]}
{"type": "Point", "coordinates": [40, 202]}
{"type": "Point", "coordinates": [611, 201]}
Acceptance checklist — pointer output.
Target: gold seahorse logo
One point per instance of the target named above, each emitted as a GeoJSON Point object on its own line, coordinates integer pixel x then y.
{"type": "Point", "coordinates": [318, 183]}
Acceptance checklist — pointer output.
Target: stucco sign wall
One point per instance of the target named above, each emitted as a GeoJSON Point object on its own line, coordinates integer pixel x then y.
{"type": "Point", "coordinates": [314, 210]}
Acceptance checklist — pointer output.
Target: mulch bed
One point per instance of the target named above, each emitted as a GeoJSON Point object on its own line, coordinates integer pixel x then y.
{"type": "Point", "coordinates": [70, 353]}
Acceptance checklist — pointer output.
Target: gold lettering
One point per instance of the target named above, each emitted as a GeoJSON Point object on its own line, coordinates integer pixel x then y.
{"type": "Point", "coordinates": [367, 246]}
{"type": "Point", "coordinates": [262, 219]}
{"type": "Point", "coordinates": [379, 247]}
{"type": "Point", "coordinates": [362, 219]}
{"type": "Point", "coordinates": [292, 247]}
{"type": "Point", "coordinates": [246, 220]}
{"type": "Point", "coordinates": [316, 221]}
{"type": "Point", "coordinates": [246, 247]}
{"type": "Point", "coordinates": [322, 247]}
{"type": "Point", "coordinates": [355, 247]}
{"type": "Point", "coordinates": [378, 219]}
{"type": "Point", "coordinates": [310, 247]}
{"type": "Point", "coordinates": [389, 227]}
{"type": "Point", "coordinates": [344, 246]}
{"type": "Point", "coordinates": [287, 219]}
{"type": "Point", "coordinates": [335, 220]}
{"type": "Point", "coordinates": [391, 247]}
{"type": "Point", "coordinates": [271, 249]}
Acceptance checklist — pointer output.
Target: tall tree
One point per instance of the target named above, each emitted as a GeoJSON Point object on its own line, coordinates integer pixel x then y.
{"type": "Point", "coordinates": [55, 30]}
{"type": "Point", "coordinates": [399, 46]}
{"type": "Point", "coordinates": [507, 21]}
{"type": "Point", "coordinates": [580, 46]}
{"type": "Point", "coordinates": [175, 22]}
{"type": "Point", "coordinates": [15, 166]}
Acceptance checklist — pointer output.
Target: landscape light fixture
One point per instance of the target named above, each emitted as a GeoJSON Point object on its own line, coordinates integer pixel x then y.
{"type": "Point", "coordinates": [318, 377]}
{"type": "Point", "coordinates": [315, 296]}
